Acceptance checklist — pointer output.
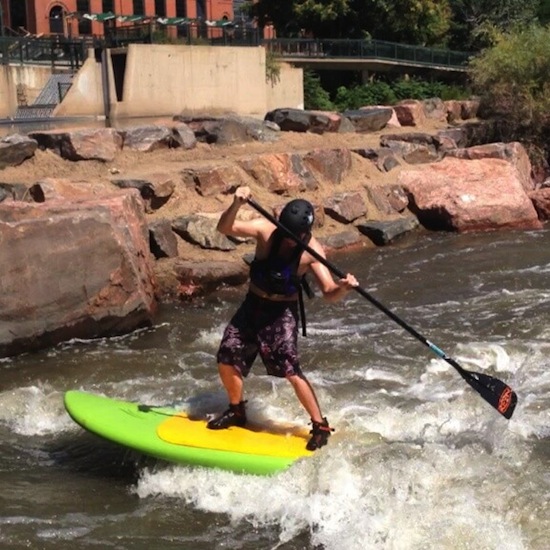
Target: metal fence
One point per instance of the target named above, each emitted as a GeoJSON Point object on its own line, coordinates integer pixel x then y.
{"type": "Point", "coordinates": [56, 51]}
{"type": "Point", "coordinates": [71, 52]}
{"type": "Point", "coordinates": [366, 49]}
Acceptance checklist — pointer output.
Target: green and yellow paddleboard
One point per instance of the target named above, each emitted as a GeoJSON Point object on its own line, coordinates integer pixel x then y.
{"type": "Point", "coordinates": [170, 435]}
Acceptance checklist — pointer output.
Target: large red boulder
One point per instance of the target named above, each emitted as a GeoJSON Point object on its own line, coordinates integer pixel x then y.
{"type": "Point", "coordinates": [472, 195]}
{"type": "Point", "coordinates": [73, 270]}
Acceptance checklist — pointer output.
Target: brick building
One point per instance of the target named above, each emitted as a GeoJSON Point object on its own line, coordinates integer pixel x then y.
{"type": "Point", "coordinates": [84, 17]}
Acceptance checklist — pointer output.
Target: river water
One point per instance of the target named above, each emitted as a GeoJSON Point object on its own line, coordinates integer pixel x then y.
{"type": "Point", "coordinates": [418, 459]}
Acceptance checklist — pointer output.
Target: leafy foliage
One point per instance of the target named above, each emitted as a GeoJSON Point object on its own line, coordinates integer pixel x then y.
{"type": "Point", "coordinates": [384, 93]}
{"type": "Point", "coordinates": [272, 68]}
{"type": "Point", "coordinates": [420, 22]}
{"type": "Point", "coordinates": [424, 22]}
{"type": "Point", "coordinates": [280, 14]}
{"type": "Point", "coordinates": [543, 12]}
{"type": "Point", "coordinates": [321, 12]}
{"type": "Point", "coordinates": [476, 24]}
{"type": "Point", "coordinates": [514, 75]}
{"type": "Point", "coordinates": [513, 80]}
{"type": "Point", "coordinates": [315, 97]}
{"type": "Point", "coordinates": [466, 25]}
{"type": "Point", "coordinates": [375, 93]}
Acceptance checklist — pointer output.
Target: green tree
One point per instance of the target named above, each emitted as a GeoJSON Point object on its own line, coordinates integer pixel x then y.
{"type": "Point", "coordinates": [323, 19]}
{"type": "Point", "coordinates": [280, 14]}
{"type": "Point", "coordinates": [476, 24]}
{"type": "Point", "coordinates": [513, 80]}
{"type": "Point", "coordinates": [372, 93]}
{"type": "Point", "coordinates": [424, 22]}
{"type": "Point", "coordinates": [379, 92]}
{"type": "Point", "coordinates": [315, 97]}
{"type": "Point", "coordinates": [543, 12]}
{"type": "Point", "coordinates": [293, 18]}
{"type": "Point", "coordinates": [421, 22]}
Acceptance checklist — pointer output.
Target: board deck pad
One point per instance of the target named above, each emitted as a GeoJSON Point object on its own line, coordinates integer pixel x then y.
{"type": "Point", "coordinates": [169, 434]}
{"type": "Point", "coordinates": [181, 430]}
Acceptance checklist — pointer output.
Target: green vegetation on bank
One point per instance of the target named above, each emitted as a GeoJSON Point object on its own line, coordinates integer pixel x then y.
{"type": "Point", "coordinates": [513, 81]}
{"type": "Point", "coordinates": [376, 92]}
{"type": "Point", "coordinates": [513, 77]}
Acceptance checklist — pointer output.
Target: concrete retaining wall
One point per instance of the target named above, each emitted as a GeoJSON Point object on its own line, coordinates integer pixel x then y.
{"type": "Point", "coordinates": [8, 95]}
{"type": "Point", "coordinates": [164, 80]}
{"type": "Point", "coordinates": [85, 96]}
{"type": "Point", "coordinates": [288, 91]}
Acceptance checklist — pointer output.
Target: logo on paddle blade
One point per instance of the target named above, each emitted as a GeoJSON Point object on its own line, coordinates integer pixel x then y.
{"type": "Point", "coordinates": [505, 400]}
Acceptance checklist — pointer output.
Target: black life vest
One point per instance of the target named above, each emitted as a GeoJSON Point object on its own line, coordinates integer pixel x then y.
{"type": "Point", "coordinates": [275, 275]}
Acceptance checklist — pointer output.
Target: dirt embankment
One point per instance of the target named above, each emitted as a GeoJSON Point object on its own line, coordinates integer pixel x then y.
{"type": "Point", "coordinates": [186, 200]}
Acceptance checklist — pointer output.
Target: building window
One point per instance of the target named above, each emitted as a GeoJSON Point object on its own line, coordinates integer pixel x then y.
{"type": "Point", "coordinates": [160, 8]}
{"type": "Point", "coordinates": [84, 25]}
{"type": "Point", "coordinates": [56, 20]}
{"type": "Point", "coordinates": [108, 6]}
{"type": "Point", "coordinates": [138, 7]}
{"type": "Point", "coordinates": [201, 11]}
{"type": "Point", "coordinates": [18, 12]}
{"type": "Point", "coordinates": [181, 8]}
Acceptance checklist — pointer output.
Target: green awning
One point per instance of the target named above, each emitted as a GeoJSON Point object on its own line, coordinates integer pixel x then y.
{"type": "Point", "coordinates": [178, 21]}
{"type": "Point", "coordinates": [175, 20]}
{"type": "Point", "coordinates": [132, 18]}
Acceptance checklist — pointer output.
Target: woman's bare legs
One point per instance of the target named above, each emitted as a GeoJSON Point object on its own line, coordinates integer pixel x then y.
{"type": "Point", "coordinates": [306, 396]}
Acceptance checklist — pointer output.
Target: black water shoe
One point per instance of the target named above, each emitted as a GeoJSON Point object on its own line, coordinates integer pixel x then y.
{"type": "Point", "coordinates": [319, 435]}
{"type": "Point", "coordinates": [234, 416]}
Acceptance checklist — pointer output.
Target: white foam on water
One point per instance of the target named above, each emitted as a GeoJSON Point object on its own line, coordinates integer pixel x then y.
{"type": "Point", "coordinates": [381, 375]}
{"type": "Point", "coordinates": [432, 467]}
{"type": "Point", "coordinates": [379, 496]}
{"type": "Point", "coordinates": [210, 339]}
{"type": "Point", "coordinates": [417, 459]}
{"type": "Point", "coordinates": [33, 410]}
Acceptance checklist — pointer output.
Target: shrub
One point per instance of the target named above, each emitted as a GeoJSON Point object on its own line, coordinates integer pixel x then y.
{"type": "Point", "coordinates": [513, 81]}
{"type": "Point", "coordinates": [389, 93]}
{"type": "Point", "coordinates": [315, 97]}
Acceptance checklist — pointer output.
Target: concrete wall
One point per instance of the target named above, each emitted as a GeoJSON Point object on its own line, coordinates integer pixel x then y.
{"type": "Point", "coordinates": [8, 95]}
{"type": "Point", "coordinates": [288, 88]}
{"type": "Point", "coordinates": [165, 80]}
{"type": "Point", "coordinates": [24, 81]}
{"type": "Point", "coordinates": [85, 96]}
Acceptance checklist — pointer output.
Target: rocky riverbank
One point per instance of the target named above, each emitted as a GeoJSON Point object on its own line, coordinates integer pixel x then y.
{"type": "Point", "coordinates": [107, 222]}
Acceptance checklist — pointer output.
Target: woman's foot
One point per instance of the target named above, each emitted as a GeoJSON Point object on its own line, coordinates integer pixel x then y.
{"type": "Point", "coordinates": [319, 435]}
{"type": "Point", "coordinates": [235, 415]}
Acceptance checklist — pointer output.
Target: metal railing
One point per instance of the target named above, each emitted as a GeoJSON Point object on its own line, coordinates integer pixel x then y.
{"type": "Point", "coordinates": [67, 52]}
{"type": "Point", "coordinates": [366, 49]}
{"type": "Point", "coordinates": [56, 51]}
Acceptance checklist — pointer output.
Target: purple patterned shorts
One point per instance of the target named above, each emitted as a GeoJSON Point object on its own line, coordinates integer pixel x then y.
{"type": "Point", "coordinates": [265, 327]}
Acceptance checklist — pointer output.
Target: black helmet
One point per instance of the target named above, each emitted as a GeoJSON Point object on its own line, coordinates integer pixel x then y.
{"type": "Point", "coordinates": [297, 216]}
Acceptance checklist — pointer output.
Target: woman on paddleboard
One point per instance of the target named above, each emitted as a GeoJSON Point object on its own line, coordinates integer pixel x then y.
{"type": "Point", "coordinates": [267, 320]}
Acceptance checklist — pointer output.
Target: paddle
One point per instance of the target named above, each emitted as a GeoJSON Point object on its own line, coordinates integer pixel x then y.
{"type": "Point", "coordinates": [498, 394]}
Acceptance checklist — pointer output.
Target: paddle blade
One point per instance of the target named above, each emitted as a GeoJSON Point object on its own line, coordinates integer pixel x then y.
{"type": "Point", "coordinates": [498, 394]}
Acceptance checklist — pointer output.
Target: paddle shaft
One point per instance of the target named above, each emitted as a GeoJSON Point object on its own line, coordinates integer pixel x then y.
{"type": "Point", "coordinates": [491, 389]}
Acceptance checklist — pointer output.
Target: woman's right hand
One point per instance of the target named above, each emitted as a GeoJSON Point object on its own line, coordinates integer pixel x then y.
{"type": "Point", "coordinates": [242, 194]}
